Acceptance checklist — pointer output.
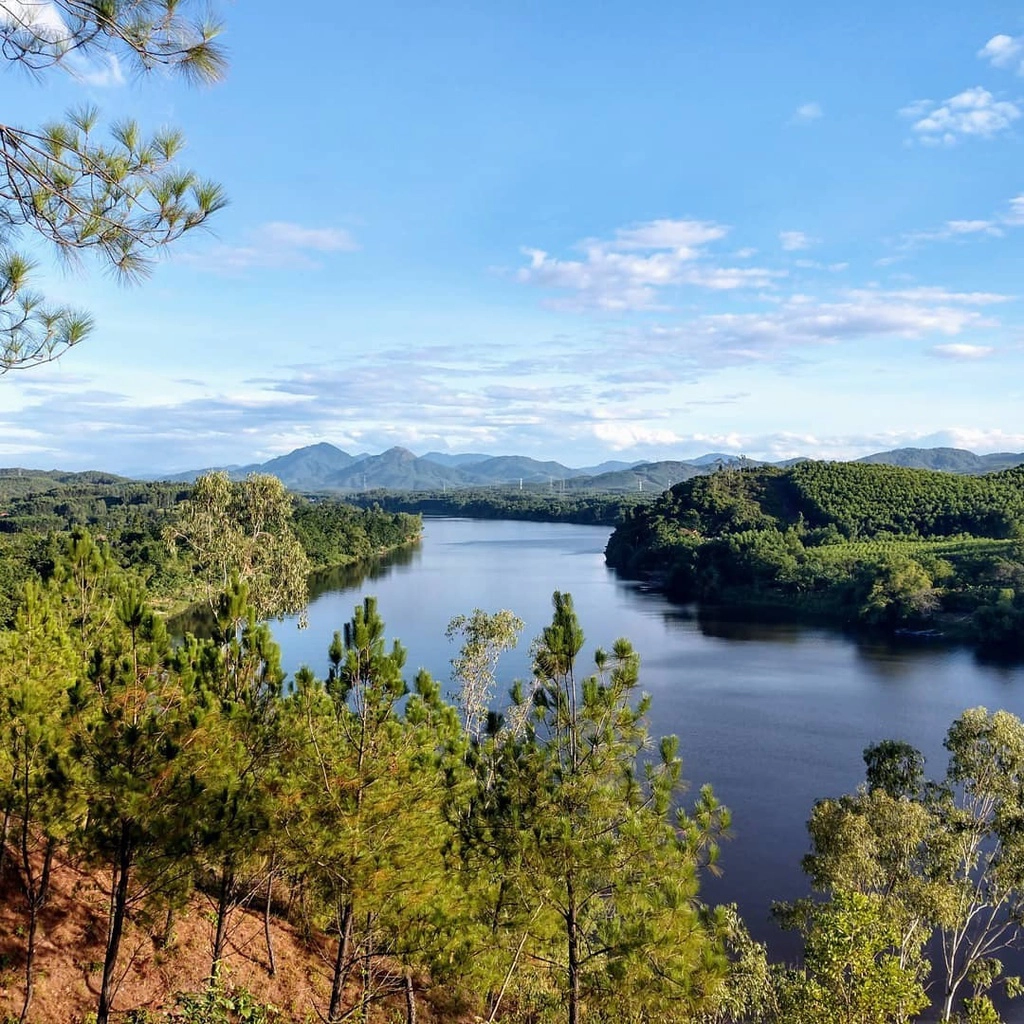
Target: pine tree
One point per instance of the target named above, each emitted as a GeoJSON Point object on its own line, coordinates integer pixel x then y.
{"type": "Point", "coordinates": [597, 873]}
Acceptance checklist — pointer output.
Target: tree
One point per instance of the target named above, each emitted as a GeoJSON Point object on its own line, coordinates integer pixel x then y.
{"type": "Point", "coordinates": [135, 739]}
{"type": "Point", "coordinates": [365, 822]}
{"type": "Point", "coordinates": [121, 197]}
{"type": "Point", "coordinates": [485, 637]}
{"type": "Point", "coordinates": [597, 873]}
{"type": "Point", "coordinates": [946, 858]}
{"type": "Point", "coordinates": [38, 783]}
{"type": "Point", "coordinates": [239, 674]}
{"type": "Point", "coordinates": [243, 531]}
{"type": "Point", "coordinates": [853, 972]}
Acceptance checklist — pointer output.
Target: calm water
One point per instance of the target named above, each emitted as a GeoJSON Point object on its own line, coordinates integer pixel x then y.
{"type": "Point", "coordinates": [774, 716]}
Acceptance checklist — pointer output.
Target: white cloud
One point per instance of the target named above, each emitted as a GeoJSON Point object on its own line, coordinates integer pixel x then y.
{"type": "Point", "coordinates": [794, 241]}
{"type": "Point", "coordinates": [963, 351]}
{"type": "Point", "coordinates": [622, 436]}
{"type": "Point", "coordinates": [100, 76]}
{"type": "Point", "coordinates": [629, 271]}
{"type": "Point", "coordinates": [275, 245]}
{"type": "Point", "coordinates": [1016, 214]}
{"type": "Point", "coordinates": [294, 236]}
{"type": "Point", "coordinates": [1004, 51]}
{"type": "Point", "coordinates": [806, 113]}
{"type": "Point", "coordinates": [973, 113]}
{"type": "Point", "coordinates": [681, 235]}
{"type": "Point", "coordinates": [40, 18]}
{"type": "Point", "coordinates": [972, 227]}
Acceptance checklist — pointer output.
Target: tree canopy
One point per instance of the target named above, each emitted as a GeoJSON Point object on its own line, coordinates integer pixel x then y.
{"type": "Point", "coordinates": [118, 194]}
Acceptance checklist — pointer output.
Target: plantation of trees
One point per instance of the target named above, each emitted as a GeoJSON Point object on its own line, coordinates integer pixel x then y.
{"type": "Point", "coordinates": [874, 545]}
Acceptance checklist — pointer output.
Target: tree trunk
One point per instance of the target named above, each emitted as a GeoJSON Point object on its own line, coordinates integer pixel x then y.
{"type": "Point", "coordinates": [340, 965]}
{"type": "Point", "coordinates": [572, 934]}
{"type": "Point", "coordinates": [30, 955]}
{"type": "Point", "coordinates": [272, 970]}
{"type": "Point", "coordinates": [44, 882]}
{"type": "Point", "coordinates": [223, 908]}
{"type": "Point", "coordinates": [119, 909]}
{"type": "Point", "coordinates": [3, 838]}
{"type": "Point", "coordinates": [410, 998]}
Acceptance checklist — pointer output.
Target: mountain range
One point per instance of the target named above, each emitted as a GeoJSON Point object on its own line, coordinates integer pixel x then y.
{"type": "Point", "coordinates": [324, 467]}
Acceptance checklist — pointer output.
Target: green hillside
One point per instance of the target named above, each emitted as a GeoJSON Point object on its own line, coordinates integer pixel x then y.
{"type": "Point", "coordinates": [876, 545]}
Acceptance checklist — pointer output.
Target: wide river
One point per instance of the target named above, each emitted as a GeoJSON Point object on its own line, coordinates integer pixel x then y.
{"type": "Point", "coordinates": [774, 716]}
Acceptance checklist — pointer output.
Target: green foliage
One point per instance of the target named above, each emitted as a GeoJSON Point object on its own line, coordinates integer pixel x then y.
{"type": "Point", "coordinates": [219, 1005]}
{"type": "Point", "coordinates": [883, 546]}
{"type": "Point", "coordinates": [592, 875]}
{"type": "Point", "coordinates": [944, 859]}
{"type": "Point", "coordinates": [120, 195]}
{"type": "Point", "coordinates": [536, 504]}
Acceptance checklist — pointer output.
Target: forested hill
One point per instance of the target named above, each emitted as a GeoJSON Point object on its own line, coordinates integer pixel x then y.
{"type": "Point", "coordinates": [874, 543]}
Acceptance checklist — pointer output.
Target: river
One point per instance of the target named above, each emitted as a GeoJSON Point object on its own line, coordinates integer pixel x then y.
{"type": "Point", "coordinates": [773, 716]}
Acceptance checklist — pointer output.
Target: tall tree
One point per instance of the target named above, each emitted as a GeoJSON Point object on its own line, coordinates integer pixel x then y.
{"type": "Point", "coordinates": [39, 787]}
{"type": "Point", "coordinates": [946, 858]}
{"type": "Point", "coordinates": [348, 827]}
{"type": "Point", "coordinates": [136, 737]}
{"type": "Point", "coordinates": [119, 195]}
{"type": "Point", "coordinates": [598, 870]}
{"type": "Point", "coordinates": [239, 673]}
{"type": "Point", "coordinates": [243, 530]}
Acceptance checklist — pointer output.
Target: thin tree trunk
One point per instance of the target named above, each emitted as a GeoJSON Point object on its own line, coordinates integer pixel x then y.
{"type": "Point", "coordinates": [44, 882]}
{"type": "Point", "coordinates": [223, 908]}
{"type": "Point", "coordinates": [574, 965]}
{"type": "Point", "coordinates": [266, 921]}
{"type": "Point", "coordinates": [165, 938]}
{"type": "Point", "coordinates": [118, 911]}
{"type": "Point", "coordinates": [3, 838]}
{"type": "Point", "coordinates": [340, 965]}
{"type": "Point", "coordinates": [30, 956]}
{"type": "Point", "coordinates": [410, 998]}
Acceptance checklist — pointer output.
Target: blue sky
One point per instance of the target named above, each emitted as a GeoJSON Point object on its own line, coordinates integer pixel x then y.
{"type": "Point", "coordinates": [567, 230]}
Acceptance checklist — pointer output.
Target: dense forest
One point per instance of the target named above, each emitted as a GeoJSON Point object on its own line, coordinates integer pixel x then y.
{"type": "Point", "coordinates": [873, 545]}
{"type": "Point", "coordinates": [141, 523]}
{"type": "Point", "coordinates": [509, 503]}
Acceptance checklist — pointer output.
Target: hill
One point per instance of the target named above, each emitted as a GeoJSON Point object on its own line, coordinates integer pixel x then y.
{"type": "Point", "coordinates": [872, 544]}
{"type": "Point", "coordinates": [948, 460]}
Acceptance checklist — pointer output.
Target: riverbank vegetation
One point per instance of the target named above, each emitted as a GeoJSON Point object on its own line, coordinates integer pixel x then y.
{"type": "Point", "coordinates": [533, 503]}
{"type": "Point", "coordinates": [869, 545]}
{"type": "Point", "coordinates": [179, 540]}
{"type": "Point", "coordinates": [188, 836]}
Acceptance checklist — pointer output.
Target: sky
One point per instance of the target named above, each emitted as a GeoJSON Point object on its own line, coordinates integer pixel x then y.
{"type": "Point", "coordinates": [574, 231]}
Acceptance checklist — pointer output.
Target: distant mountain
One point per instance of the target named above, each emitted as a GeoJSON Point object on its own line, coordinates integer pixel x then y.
{"type": "Point", "coordinates": [645, 476]}
{"type": "Point", "coordinates": [510, 469]}
{"type": "Point", "coordinates": [455, 461]}
{"type": "Point", "coordinates": [396, 469]}
{"type": "Point", "coordinates": [949, 460]}
{"type": "Point", "coordinates": [324, 467]}
{"type": "Point", "coordinates": [611, 466]}
{"type": "Point", "coordinates": [309, 468]}
{"type": "Point", "coordinates": [190, 476]}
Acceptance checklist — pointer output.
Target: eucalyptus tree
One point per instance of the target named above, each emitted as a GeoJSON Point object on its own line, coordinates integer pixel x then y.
{"type": "Point", "coordinates": [120, 194]}
{"type": "Point", "coordinates": [228, 530]}
{"type": "Point", "coordinates": [598, 870]}
{"type": "Point", "coordinates": [485, 637]}
{"type": "Point", "coordinates": [946, 858]}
